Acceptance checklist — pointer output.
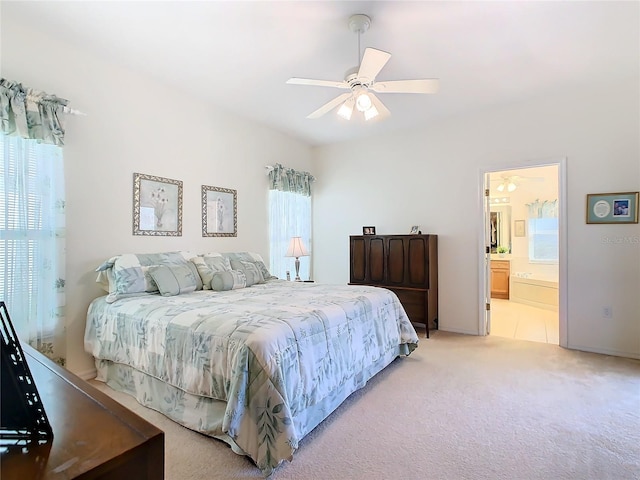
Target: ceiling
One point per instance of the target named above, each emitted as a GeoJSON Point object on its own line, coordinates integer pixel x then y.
{"type": "Point", "coordinates": [237, 55]}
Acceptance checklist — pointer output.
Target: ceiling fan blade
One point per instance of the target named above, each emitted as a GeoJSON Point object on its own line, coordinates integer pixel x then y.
{"type": "Point", "coordinates": [317, 83]}
{"type": "Point", "coordinates": [329, 105]}
{"type": "Point", "coordinates": [382, 110]}
{"type": "Point", "coordinates": [372, 62]}
{"type": "Point", "coordinates": [426, 85]}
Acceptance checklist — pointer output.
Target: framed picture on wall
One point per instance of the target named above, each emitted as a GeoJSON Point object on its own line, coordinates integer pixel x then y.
{"type": "Point", "coordinates": [157, 205]}
{"type": "Point", "coordinates": [519, 228]}
{"type": "Point", "coordinates": [612, 207]}
{"type": "Point", "coordinates": [219, 212]}
{"type": "Point", "coordinates": [368, 230]}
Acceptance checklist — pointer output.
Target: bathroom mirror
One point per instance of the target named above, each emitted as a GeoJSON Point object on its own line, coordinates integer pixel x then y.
{"type": "Point", "coordinates": [500, 226]}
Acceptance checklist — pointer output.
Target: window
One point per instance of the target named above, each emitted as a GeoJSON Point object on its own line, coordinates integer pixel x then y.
{"type": "Point", "coordinates": [289, 216]}
{"type": "Point", "coordinates": [543, 239]}
{"type": "Point", "coordinates": [32, 238]}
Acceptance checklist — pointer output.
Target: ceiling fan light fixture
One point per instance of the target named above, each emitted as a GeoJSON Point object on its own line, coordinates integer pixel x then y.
{"type": "Point", "coordinates": [500, 187]}
{"type": "Point", "coordinates": [345, 111]}
{"type": "Point", "coordinates": [360, 81]}
{"type": "Point", "coordinates": [363, 102]}
{"type": "Point", "coordinates": [372, 112]}
{"type": "Point", "coordinates": [511, 187]}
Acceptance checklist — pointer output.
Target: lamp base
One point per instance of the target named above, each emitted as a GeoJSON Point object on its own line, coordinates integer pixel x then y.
{"type": "Point", "coordinates": [297, 279]}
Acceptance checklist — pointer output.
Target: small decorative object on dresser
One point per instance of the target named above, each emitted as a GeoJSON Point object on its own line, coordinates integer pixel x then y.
{"type": "Point", "coordinates": [415, 229]}
{"type": "Point", "coordinates": [368, 230]}
{"type": "Point", "coordinates": [404, 264]}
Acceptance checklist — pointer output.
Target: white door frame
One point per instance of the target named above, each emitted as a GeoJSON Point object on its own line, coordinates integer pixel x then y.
{"type": "Point", "coordinates": [484, 267]}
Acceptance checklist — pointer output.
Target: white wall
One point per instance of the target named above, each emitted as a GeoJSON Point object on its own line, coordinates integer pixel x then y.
{"type": "Point", "coordinates": [430, 177]}
{"type": "Point", "coordinates": [137, 124]}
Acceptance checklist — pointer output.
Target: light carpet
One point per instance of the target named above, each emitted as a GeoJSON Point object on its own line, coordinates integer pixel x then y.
{"type": "Point", "coordinates": [459, 407]}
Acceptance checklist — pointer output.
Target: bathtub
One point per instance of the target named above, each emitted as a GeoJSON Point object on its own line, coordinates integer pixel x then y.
{"type": "Point", "coordinates": [535, 291]}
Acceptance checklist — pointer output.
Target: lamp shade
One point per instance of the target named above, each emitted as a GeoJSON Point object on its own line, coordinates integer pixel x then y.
{"type": "Point", "coordinates": [296, 248]}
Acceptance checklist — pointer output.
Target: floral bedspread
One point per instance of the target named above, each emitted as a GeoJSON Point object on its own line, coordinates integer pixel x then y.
{"type": "Point", "coordinates": [282, 355]}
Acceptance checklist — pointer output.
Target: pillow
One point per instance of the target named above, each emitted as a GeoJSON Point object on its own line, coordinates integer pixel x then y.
{"type": "Point", "coordinates": [254, 258]}
{"type": "Point", "coordinates": [207, 266]}
{"type": "Point", "coordinates": [175, 279]}
{"type": "Point", "coordinates": [250, 271]}
{"type": "Point", "coordinates": [128, 274]}
{"type": "Point", "coordinates": [105, 274]}
{"type": "Point", "coordinates": [231, 280]}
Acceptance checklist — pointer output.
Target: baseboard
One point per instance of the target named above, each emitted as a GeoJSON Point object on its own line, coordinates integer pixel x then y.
{"type": "Point", "coordinates": [605, 351]}
{"type": "Point", "coordinates": [456, 330]}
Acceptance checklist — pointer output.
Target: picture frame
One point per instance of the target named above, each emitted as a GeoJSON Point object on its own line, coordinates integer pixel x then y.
{"type": "Point", "coordinates": [368, 230]}
{"type": "Point", "coordinates": [612, 208]}
{"type": "Point", "coordinates": [157, 206]}
{"type": "Point", "coordinates": [519, 228]}
{"type": "Point", "coordinates": [415, 229]}
{"type": "Point", "coordinates": [219, 212]}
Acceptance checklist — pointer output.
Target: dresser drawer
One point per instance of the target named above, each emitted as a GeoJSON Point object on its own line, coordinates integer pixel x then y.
{"type": "Point", "coordinates": [414, 303]}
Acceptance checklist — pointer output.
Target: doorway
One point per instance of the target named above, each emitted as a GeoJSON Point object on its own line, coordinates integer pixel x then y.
{"type": "Point", "coordinates": [524, 254]}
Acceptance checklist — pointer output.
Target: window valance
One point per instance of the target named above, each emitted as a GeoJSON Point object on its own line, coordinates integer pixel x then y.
{"type": "Point", "coordinates": [290, 180]}
{"type": "Point", "coordinates": [543, 209]}
{"type": "Point", "coordinates": [30, 113]}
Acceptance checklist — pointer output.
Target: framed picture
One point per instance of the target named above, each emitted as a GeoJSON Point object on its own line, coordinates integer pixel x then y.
{"type": "Point", "coordinates": [415, 229]}
{"type": "Point", "coordinates": [518, 228]}
{"type": "Point", "coordinates": [368, 230]}
{"type": "Point", "coordinates": [219, 212]}
{"type": "Point", "coordinates": [157, 206]}
{"type": "Point", "coordinates": [612, 207]}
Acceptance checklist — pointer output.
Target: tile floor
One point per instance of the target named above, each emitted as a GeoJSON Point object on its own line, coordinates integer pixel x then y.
{"type": "Point", "coordinates": [523, 322]}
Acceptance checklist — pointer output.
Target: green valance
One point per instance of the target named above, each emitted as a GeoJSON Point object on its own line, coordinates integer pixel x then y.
{"type": "Point", "coordinates": [290, 180]}
{"type": "Point", "coordinates": [31, 113]}
{"type": "Point", "coordinates": [543, 209]}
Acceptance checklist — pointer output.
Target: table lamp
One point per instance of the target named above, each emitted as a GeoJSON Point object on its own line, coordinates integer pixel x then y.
{"type": "Point", "coordinates": [297, 249]}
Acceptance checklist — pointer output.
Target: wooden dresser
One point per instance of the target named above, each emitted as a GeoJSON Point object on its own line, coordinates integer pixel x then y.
{"type": "Point", "coordinates": [405, 264]}
{"type": "Point", "coordinates": [500, 272]}
{"type": "Point", "coordinates": [94, 437]}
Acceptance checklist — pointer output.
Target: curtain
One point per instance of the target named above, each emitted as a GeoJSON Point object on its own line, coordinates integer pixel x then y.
{"type": "Point", "coordinates": [289, 216]}
{"type": "Point", "coordinates": [288, 180]}
{"type": "Point", "coordinates": [543, 209]}
{"type": "Point", "coordinates": [30, 113]}
{"type": "Point", "coordinates": [32, 216]}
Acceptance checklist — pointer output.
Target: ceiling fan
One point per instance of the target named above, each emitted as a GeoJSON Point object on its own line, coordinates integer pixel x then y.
{"type": "Point", "coordinates": [360, 81]}
{"type": "Point", "coordinates": [510, 183]}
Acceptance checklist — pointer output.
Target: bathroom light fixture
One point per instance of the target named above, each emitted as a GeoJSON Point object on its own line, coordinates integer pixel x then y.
{"type": "Point", "coordinates": [297, 249]}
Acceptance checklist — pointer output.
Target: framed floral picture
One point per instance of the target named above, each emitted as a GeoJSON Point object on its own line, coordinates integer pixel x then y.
{"type": "Point", "coordinates": [219, 212]}
{"type": "Point", "coordinates": [157, 206]}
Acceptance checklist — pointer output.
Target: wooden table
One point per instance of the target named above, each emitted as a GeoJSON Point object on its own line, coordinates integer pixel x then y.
{"type": "Point", "coordinates": [94, 437]}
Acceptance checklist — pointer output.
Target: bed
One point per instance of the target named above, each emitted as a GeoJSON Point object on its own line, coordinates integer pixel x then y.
{"type": "Point", "coordinates": [258, 367]}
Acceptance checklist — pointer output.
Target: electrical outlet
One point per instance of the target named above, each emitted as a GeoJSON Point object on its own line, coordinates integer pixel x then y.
{"type": "Point", "coordinates": [607, 312]}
